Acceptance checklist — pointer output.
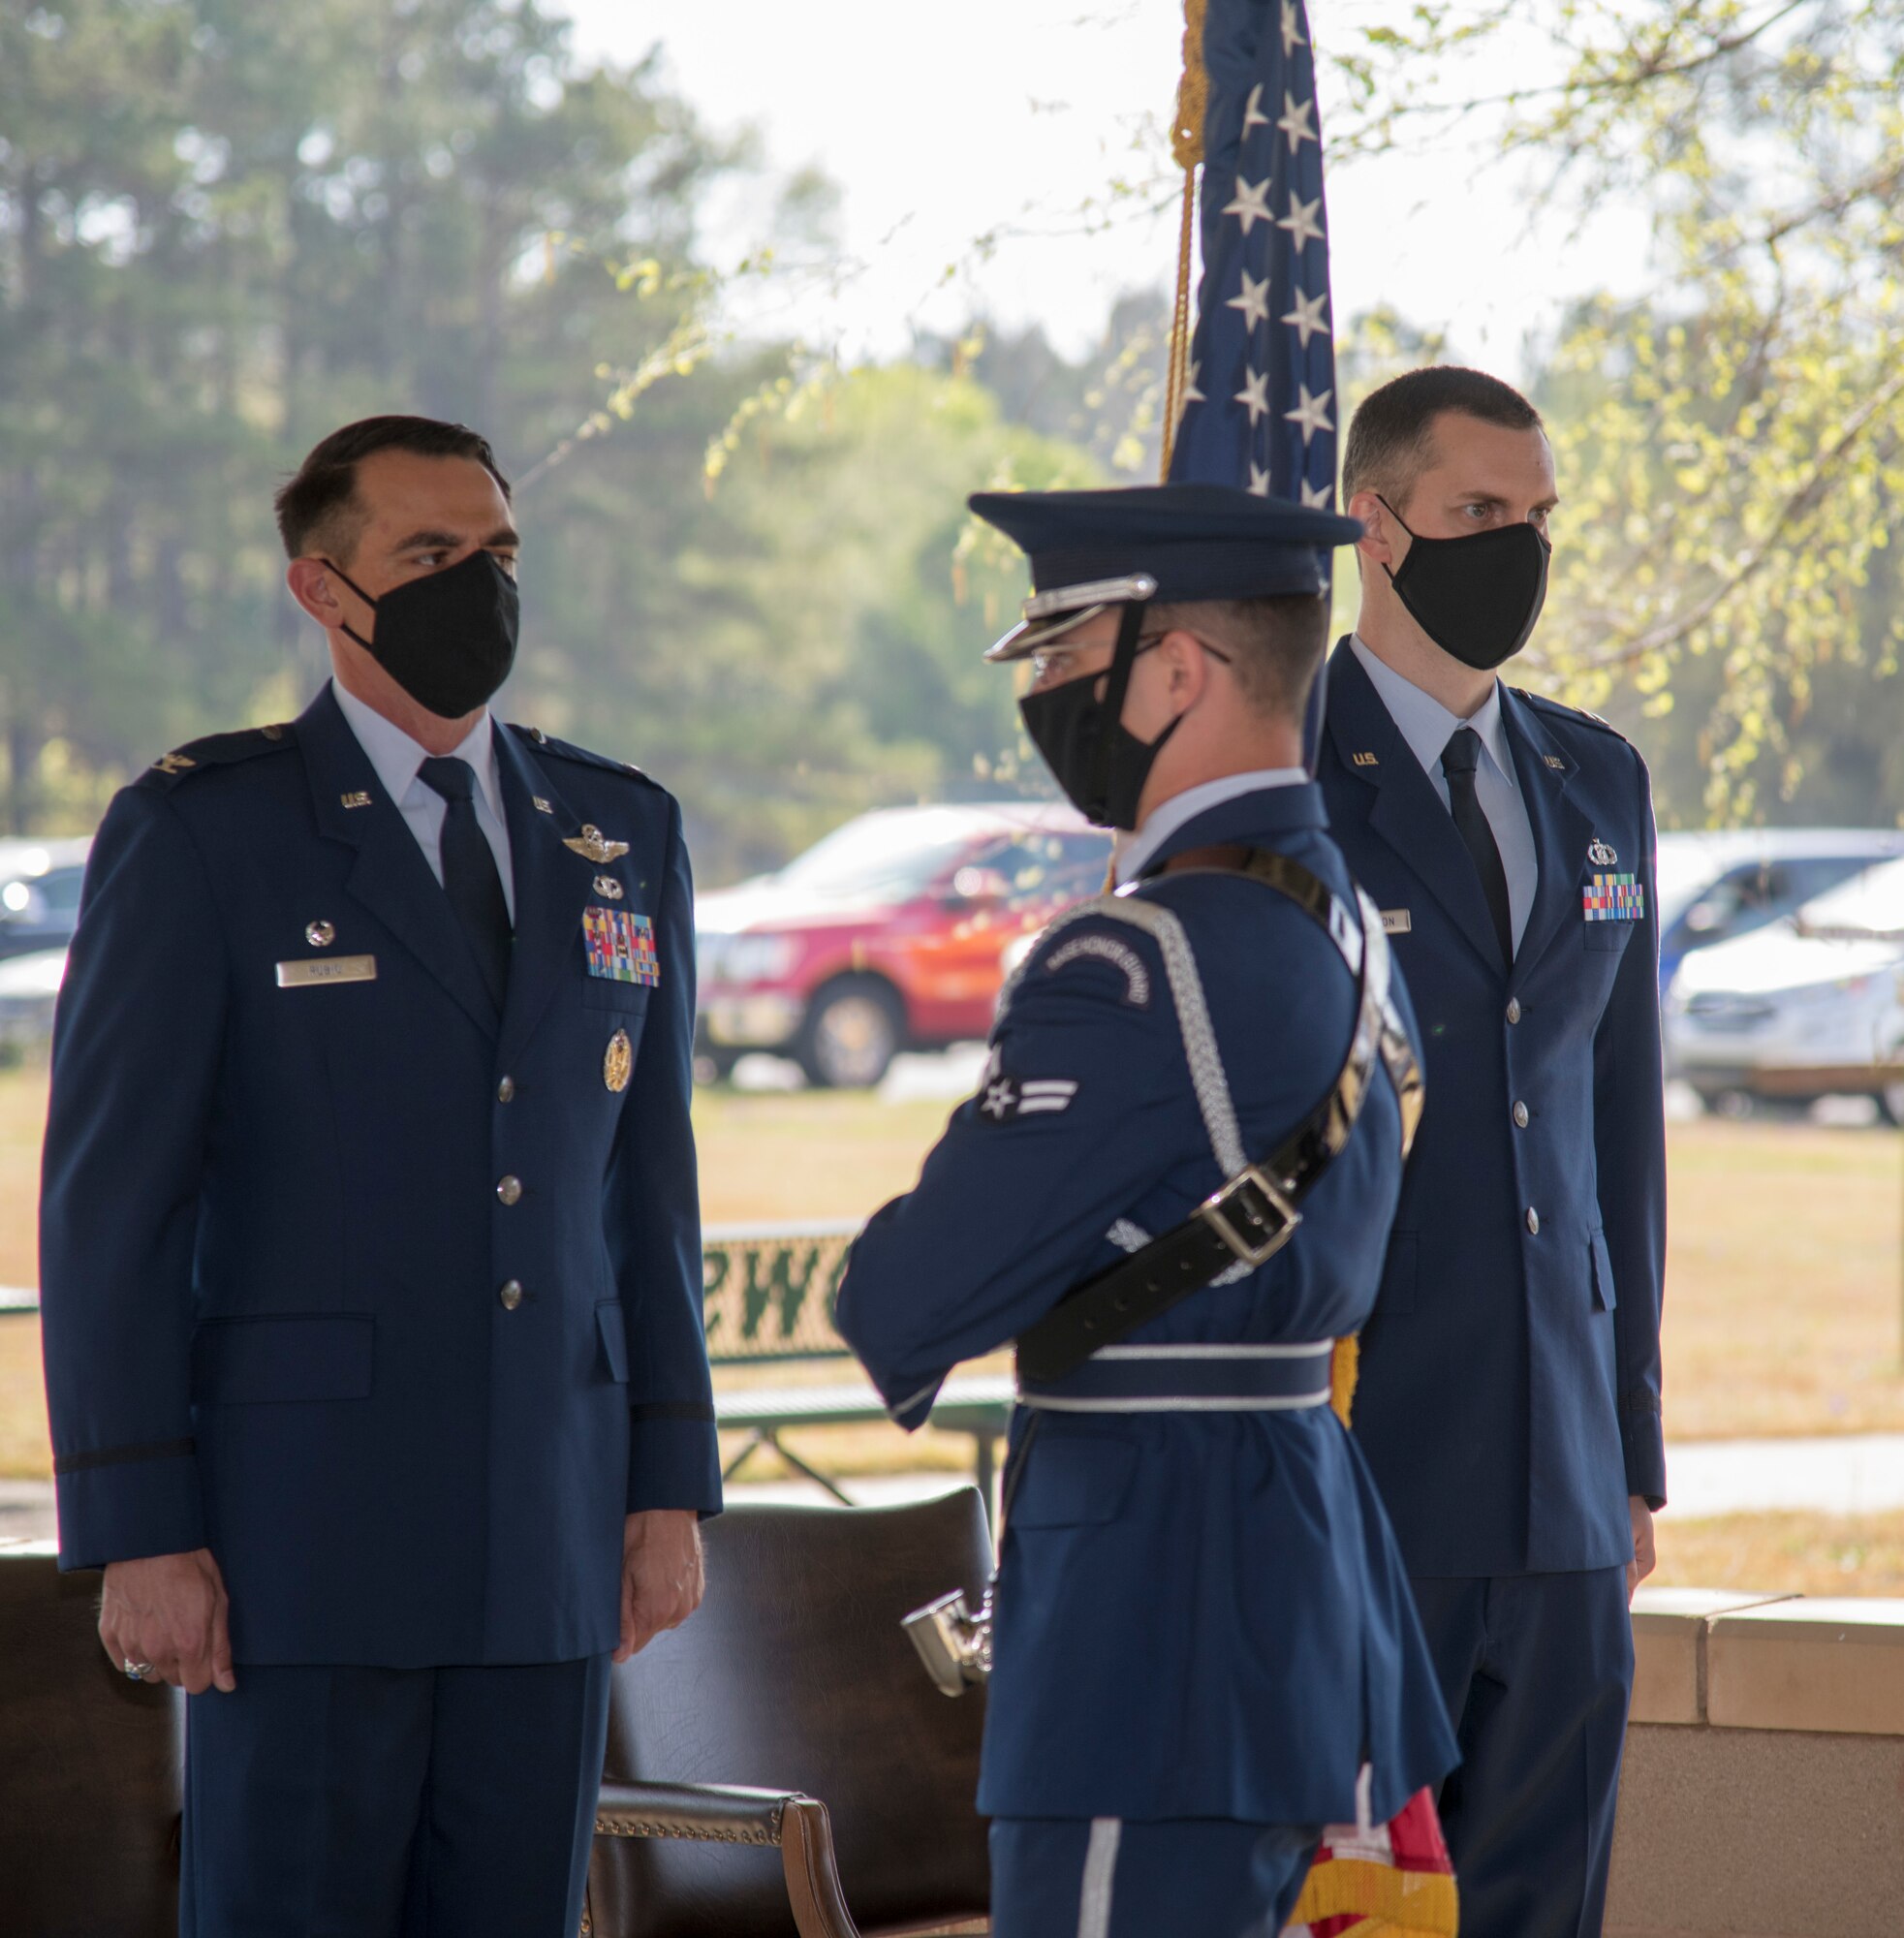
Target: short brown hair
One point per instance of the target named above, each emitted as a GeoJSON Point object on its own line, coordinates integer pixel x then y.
{"type": "Point", "coordinates": [1274, 645]}
{"type": "Point", "coordinates": [1391, 438]}
{"type": "Point", "coordinates": [321, 503]}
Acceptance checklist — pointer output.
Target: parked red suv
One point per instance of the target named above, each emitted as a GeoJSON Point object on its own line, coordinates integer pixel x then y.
{"type": "Point", "coordinates": [885, 936]}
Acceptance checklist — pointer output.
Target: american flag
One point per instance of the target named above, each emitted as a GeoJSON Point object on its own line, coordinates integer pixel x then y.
{"type": "Point", "coordinates": [1260, 408]}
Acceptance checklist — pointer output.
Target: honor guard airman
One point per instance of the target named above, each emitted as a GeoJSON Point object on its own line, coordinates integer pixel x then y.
{"type": "Point", "coordinates": [1509, 1402]}
{"type": "Point", "coordinates": [1173, 1189]}
{"type": "Point", "coordinates": [371, 1248]}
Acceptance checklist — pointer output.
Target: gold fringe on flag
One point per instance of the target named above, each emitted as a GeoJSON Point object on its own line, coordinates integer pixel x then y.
{"type": "Point", "coordinates": [1187, 146]}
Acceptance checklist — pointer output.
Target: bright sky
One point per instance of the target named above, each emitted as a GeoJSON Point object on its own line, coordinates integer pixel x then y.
{"type": "Point", "coordinates": [940, 125]}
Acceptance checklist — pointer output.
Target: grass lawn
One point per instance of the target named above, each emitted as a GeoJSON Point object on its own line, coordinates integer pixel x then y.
{"type": "Point", "coordinates": [1785, 1554]}
{"type": "Point", "coordinates": [1783, 1308]}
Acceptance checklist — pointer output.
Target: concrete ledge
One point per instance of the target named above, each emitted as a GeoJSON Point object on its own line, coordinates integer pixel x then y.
{"type": "Point", "coordinates": [1671, 1631]}
{"type": "Point", "coordinates": [1827, 1664]}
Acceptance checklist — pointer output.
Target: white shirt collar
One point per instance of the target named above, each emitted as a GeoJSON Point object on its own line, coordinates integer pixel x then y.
{"type": "Point", "coordinates": [1427, 725]}
{"type": "Point", "coordinates": [1135, 851]}
{"type": "Point", "coordinates": [396, 756]}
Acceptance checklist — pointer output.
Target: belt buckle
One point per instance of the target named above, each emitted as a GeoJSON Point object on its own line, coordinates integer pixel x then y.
{"type": "Point", "coordinates": [1219, 1212]}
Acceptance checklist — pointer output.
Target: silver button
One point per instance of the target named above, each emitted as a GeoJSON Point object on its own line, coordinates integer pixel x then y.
{"type": "Point", "coordinates": [1533, 1222]}
{"type": "Point", "coordinates": [511, 1294]}
{"type": "Point", "coordinates": [1520, 1117]}
{"type": "Point", "coordinates": [506, 1091]}
{"type": "Point", "coordinates": [1514, 1008]}
{"type": "Point", "coordinates": [510, 1190]}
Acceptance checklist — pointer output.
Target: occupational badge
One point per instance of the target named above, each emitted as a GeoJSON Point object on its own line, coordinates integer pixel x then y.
{"type": "Point", "coordinates": [607, 887]}
{"type": "Point", "coordinates": [620, 946]}
{"type": "Point", "coordinates": [1615, 899]}
{"type": "Point", "coordinates": [618, 1062]}
{"type": "Point", "coordinates": [592, 844]}
{"type": "Point", "coordinates": [319, 934]}
{"type": "Point", "coordinates": [1599, 855]}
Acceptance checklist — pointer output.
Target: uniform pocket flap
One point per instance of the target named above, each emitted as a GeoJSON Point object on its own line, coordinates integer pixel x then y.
{"type": "Point", "coordinates": [1072, 1482]}
{"type": "Point", "coordinates": [306, 1357]}
{"type": "Point", "coordinates": [613, 1326]}
{"type": "Point", "coordinates": [1603, 1294]}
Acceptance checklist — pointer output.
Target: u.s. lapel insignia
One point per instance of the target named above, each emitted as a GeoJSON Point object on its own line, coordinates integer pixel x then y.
{"type": "Point", "coordinates": [355, 799]}
{"type": "Point", "coordinates": [607, 887]}
{"type": "Point", "coordinates": [1599, 855]}
{"type": "Point", "coordinates": [174, 764]}
{"type": "Point", "coordinates": [1555, 762]}
{"type": "Point", "coordinates": [594, 846]}
{"type": "Point", "coordinates": [1365, 760]}
{"type": "Point", "coordinates": [540, 805]}
{"type": "Point", "coordinates": [618, 1062]}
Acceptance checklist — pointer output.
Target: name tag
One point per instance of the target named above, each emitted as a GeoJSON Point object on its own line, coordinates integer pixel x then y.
{"type": "Point", "coordinates": [316, 970]}
{"type": "Point", "coordinates": [1396, 922]}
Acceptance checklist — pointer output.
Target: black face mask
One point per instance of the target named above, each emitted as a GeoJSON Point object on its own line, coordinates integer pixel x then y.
{"type": "Point", "coordinates": [1098, 761]}
{"type": "Point", "coordinates": [449, 640]}
{"type": "Point", "coordinates": [1476, 597]}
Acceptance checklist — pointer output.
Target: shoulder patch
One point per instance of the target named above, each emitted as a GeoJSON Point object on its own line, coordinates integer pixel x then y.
{"type": "Point", "coordinates": [1094, 944]}
{"type": "Point", "coordinates": [547, 743]}
{"type": "Point", "coordinates": [217, 750]}
{"type": "Point", "coordinates": [1578, 715]}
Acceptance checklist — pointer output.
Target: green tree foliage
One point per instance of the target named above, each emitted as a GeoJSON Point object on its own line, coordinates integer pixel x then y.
{"type": "Point", "coordinates": [1731, 447]}
{"type": "Point", "coordinates": [226, 229]}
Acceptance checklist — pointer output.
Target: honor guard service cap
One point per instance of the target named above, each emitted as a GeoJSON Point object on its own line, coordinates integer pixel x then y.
{"type": "Point", "coordinates": [1178, 542]}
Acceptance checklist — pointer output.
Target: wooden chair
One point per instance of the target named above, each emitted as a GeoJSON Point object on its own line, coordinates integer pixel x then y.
{"type": "Point", "coordinates": [90, 1767]}
{"type": "Point", "coordinates": [796, 1679]}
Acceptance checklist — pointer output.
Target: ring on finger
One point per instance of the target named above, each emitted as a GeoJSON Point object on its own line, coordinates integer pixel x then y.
{"type": "Point", "coordinates": [138, 1670]}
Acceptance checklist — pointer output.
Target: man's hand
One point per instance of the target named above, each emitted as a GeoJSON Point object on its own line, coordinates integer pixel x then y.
{"type": "Point", "coordinates": [661, 1574]}
{"type": "Point", "coordinates": [170, 1611]}
{"type": "Point", "coordinates": [1644, 1559]}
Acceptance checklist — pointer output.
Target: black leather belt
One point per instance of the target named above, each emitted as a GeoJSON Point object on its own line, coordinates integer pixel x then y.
{"type": "Point", "coordinates": [1255, 1212]}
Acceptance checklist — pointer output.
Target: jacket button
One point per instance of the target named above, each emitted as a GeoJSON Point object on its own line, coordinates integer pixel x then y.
{"type": "Point", "coordinates": [1514, 1008]}
{"type": "Point", "coordinates": [506, 1091]}
{"type": "Point", "coordinates": [1520, 1117]}
{"type": "Point", "coordinates": [1533, 1223]}
{"type": "Point", "coordinates": [510, 1190]}
{"type": "Point", "coordinates": [511, 1294]}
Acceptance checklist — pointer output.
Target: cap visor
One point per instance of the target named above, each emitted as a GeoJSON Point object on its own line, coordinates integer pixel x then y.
{"type": "Point", "coordinates": [1025, 638]}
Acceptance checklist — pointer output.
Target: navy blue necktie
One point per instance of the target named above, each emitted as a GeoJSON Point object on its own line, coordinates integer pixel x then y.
{"type": "Point", "coordinates": [1458, 761]}
{"type": "Point", "coordinates": [469, 871]}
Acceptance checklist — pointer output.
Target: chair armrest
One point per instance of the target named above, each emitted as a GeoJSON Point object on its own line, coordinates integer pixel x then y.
{"type": "Point", "coordinates": [712, 1813]}
{"type": "Point", "coordinates": [721, 1813]}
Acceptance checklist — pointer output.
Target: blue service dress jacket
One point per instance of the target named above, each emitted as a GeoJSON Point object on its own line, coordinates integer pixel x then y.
{"type": "Point", "coordinates": [1198, 1613]}
{"type": "Point", "coordinates": [1509, 1397]}
{"type": "Point", "coordinates": [390, 1300]}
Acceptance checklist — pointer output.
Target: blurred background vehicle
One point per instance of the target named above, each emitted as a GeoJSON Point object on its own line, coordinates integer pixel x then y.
{"type": "Point", "coordinates": [1713, 886]}
{"type": "Point", "coordinates": [1805, 1006]}
{"type": "Point", "coordinates": [39, 894]}
{"type": "Point", "coordinates": [885, 936]}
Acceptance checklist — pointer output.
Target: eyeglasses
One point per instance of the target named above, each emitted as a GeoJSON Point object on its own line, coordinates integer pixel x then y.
{"type": "Point", "coordinates": [1056, 658]}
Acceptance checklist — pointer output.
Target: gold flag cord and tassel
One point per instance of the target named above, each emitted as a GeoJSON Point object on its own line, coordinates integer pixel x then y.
{"type": "Point", "coordinates": [1187, 146]}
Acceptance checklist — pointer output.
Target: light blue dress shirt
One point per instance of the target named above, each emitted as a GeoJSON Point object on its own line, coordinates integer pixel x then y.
{"type": "Point", "coordinates": [397, 757]}
{"type": "Point", "coordinates": [1427, 725]}
{"type": "Point", "coordinates": [1133, 851]}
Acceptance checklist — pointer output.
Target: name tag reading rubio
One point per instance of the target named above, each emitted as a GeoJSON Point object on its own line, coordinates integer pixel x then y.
{"type": "Point", "coordinates": [317, 970]}
{"type": "Point", "coordinates": [1615, 899]}
{"type": "Point", "coordinates": [621, 946]}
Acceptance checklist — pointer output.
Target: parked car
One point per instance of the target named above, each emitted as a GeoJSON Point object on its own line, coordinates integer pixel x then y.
{"type": "Point", "coordinates": [40, 884]}
{"type": "Point", "coordinates": [1808, 1006]}
{"type": "Point", "coordinates": [29, 987]}
{"type": "Point", "coordinates": [1712, 887]}
{"type": "Point", "coordinates": [885, 936]}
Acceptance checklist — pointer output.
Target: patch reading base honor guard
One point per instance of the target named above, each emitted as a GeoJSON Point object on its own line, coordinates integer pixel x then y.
{"type": "Point", "coordinates": [620, 946]}
{"type": "Point", "coordinates": [618, 1062]}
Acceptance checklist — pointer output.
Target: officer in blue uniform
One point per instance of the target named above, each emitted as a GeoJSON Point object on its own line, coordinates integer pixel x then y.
{"type": "Point", "coordinates": [371, 1244]}
{"type": "Point", "coordinates": [1510, 1401]}
{"type": "Point", "coordinates": [1204, 1649]}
